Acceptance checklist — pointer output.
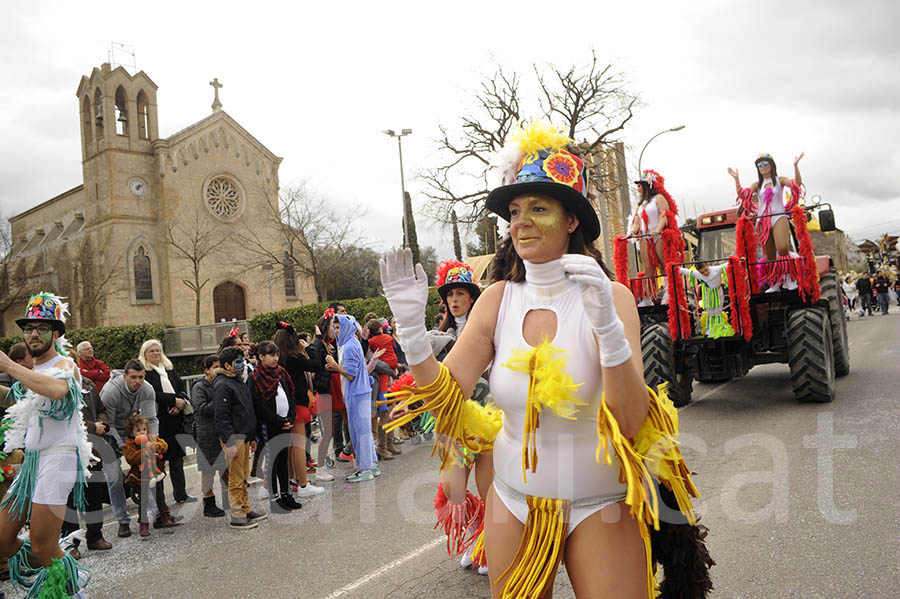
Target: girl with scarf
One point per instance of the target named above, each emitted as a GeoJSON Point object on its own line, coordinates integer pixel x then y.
{"type": "Point", "coordinates": [273, 396]}
{"type": "Point", "coordinates": [765, 199]}
{"type": "Point", "coordinates": [357, 398]}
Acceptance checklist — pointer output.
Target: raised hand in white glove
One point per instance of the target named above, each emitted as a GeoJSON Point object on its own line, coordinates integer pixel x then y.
{"type": "Point", "coordinates": [597, 297]}
{"type": "Point", "coordinates": [406, 290]}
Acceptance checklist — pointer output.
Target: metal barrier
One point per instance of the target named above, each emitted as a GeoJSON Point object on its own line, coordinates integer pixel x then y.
{"type": "Point", "coordinates": [198, 340]}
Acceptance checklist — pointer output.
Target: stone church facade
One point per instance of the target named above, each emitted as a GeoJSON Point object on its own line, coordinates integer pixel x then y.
{"type": "Point", "coordinates": [123, 246]}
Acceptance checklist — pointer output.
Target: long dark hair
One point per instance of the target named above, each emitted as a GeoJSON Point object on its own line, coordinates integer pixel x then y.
{"type": "Point", "coordinates": [288, 347]}
{"type": "Point", "coordinates": [508, 266]}
{"type": "Point", "coordinates": [759, 176]}
{"type": "Point", "coordinates": [324, 325]}
{"type": "Point", "coordinates": [646, 193]}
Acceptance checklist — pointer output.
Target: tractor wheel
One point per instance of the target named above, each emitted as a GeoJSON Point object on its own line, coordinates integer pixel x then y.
{"type": "Point", "coordinates": [831, 290]}
{"type": "Point", "coordinates": [811, 355]}
{"type": "Point", "coordinates": [658, 353]}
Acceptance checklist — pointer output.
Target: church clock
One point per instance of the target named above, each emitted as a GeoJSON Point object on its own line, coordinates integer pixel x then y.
{"type": "Point", "coordinates": [137, 187]}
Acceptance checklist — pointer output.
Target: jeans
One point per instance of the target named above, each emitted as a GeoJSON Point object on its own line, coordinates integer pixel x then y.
{"type": "Point", "coordinates": [115, 481]}
{"type": "Point", "coordinates": [883, 302]}
{"type": "Point", "coordinates": [865, 303]}
{"type": "Point", "coordinates": [359, 416]}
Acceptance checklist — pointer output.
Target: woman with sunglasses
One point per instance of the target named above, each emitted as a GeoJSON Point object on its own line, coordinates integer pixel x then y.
{"type": "Point", "coordinates": [765, 199]}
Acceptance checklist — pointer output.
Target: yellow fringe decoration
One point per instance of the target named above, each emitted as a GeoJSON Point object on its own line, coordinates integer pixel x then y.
{"type": "Point", "coordinates": [456, 419]}
{"type": "Point", "coordinates": [548, 387]}
{"type": "Point", "coordinates": [540, 550]}
{"type": "Point", "coordinates": [652, 454]}
{"type": "Point", "coordinates": [478, 555]}
{"type": "Point", "coordinates": [538, 135]}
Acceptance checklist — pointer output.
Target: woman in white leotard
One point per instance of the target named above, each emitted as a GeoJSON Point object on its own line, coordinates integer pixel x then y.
{"type": "Point", "coordinates": [773, 232]}
{"type": "Point", "coordinates": [555, 289]}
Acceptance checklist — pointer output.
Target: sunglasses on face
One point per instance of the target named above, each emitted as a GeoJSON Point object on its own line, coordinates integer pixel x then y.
{"type": "Point", "coordinates": [42, 329]}
{"type": "Point", "coordinates": [762, 163]}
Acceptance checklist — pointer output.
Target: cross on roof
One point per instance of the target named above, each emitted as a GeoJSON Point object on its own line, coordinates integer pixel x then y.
{"type": "Point", "coordinates": [216, 105]}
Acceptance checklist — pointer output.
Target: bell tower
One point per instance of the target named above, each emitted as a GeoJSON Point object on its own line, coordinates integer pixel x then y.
{"type": "Point", "coordinates": [118, 117]}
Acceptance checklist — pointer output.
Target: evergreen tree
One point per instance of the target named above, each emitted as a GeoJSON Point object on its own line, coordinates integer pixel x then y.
{"type": "Point", "coordinates": [457, 246]}
{"type": "Point", "coordinates": [412, 240]}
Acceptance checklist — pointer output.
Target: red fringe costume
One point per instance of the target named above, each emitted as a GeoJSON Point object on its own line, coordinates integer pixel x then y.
{"type": "Point", "coordinates": [740, 297]}
{"type": "Point", "coordinates": [458, 536]}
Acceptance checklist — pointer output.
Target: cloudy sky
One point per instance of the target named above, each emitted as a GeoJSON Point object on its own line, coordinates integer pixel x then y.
{"type": "Point", "coordinates": [318, 84]}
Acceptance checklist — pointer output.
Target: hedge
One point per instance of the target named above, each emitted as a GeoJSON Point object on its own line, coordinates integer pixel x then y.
{"type": "Point", "coordinates": [113, 345]}
{"type": "Point", "coordinates": [304, 318]}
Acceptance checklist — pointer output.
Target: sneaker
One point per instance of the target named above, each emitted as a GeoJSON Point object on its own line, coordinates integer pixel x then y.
{"type": "Point", "coordinates": [158, 478]}
{"type": "Point", "coordinates": [256, 516]}
{"type": "Point", "coordinates": [324, 477]}
{"type": "Point", "coordinates": [790, 284]}
{"type": "Point", "coordinates": [243, 523]}
{"type": "Point", "coordinates": [345, 457]}
{"type": "Point", "coordinates": [310, 469]}
{"type": "Point", "coordinates": [376, 470]}
{"type": "Point", "coordinates": [483, 570]}
{"type": "Point", "coordinates": [294, 486]}
{"type": "Point", "coordinates": [774, 288]}
{"type": "Point", "coordinates": [187, 499]}
{"type": "Point", "coordinates": [466, 560]}
{"type": "Point", "coordinates": [292, 503]}
{"type": "Point", "coordinates": [124, 530]}
{"type": "Point", "coordinates": [360, 476]}
{"type": "Point", "coordinates": [278, 506]}
{"type": "Point", "coordinates": [145, 529]}
{"type": "Point", "coordinates": [309, 490]}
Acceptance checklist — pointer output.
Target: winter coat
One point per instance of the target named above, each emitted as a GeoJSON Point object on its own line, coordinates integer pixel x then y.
{"type": "Point", "coordinates": [297, 366]}
{"type": "Point", "coordinates": [92, 413]}
{"type": "Point", "coordinates": [322, 379]}
{"type": "Point", "coordinates": [205, 419]}
{"type": "Point", "coordinates": [233, 404]}
{"type": "Point", "coordinates": [169, 425]}
{"type": "Point", "coordinates": [96, 370]}
{"type": "Point", "coordinates": [266, 413]}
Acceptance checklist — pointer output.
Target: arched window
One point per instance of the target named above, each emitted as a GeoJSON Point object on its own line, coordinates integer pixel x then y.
{"type": "Point", "coordinates": [88, 126]}
{"type": "Point", "coordinates": [98, 112]}
{"type": "Point", "coordinates": [143, 280]}
{"type": "Point", "coordinates": [121, 112]}
{"type": "Point", "coordinates": [290, 282]}
{"type": "Point", "coordinates": [143, 115]}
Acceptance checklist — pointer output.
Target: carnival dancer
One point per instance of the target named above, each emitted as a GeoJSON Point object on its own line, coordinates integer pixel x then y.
{"type": "Point", "coordinates": [563, 343]}
{"type": "Point", "coordinates": [46, 419]}
{"type": "Point", "coordinates": [711, 280]}
{"type": "Point", "coordinates": [765, 199]}
{"type": "Point", "coordinates": [463, 512]}
{"type": "Point", "coordinates": [656, 212]}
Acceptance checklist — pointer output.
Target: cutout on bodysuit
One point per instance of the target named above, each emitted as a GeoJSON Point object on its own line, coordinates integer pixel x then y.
{"type": "Point", "coordinates": [535, 323]}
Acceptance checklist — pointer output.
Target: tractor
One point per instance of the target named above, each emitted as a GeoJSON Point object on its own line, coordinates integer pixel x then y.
{"type": "Point", "coordinates": [805, 328]}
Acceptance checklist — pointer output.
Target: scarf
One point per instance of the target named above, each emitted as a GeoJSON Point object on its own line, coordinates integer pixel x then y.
{"type": "Point", "coordinates": [164, 381]}
{"type": "Point", "coordinates": [267, 379]}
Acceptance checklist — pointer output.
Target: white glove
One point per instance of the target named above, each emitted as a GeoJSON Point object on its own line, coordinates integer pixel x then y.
{"type": "Point", "coordinates": [406, 290]}
{"type": "Point", "coordinates": [597, 297]}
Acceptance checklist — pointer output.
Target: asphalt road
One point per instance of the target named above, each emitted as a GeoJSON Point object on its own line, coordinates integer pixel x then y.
{"type": "Point", "coordinates": [800, 501]}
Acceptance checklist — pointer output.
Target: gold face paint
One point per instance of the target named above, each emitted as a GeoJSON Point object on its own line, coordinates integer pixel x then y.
{"type": "Point", "coordinates": [536, 218]}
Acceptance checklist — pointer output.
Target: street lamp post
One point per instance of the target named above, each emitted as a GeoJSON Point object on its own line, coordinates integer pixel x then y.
{"type": "Point", "coordinates": [399, 137]}
{"type": "Point", "coordinates": [678, 128]}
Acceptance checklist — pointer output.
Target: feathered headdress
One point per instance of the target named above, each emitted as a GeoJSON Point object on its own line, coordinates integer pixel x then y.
{"type": "Point", "coordinates": [524, 144]}
{"type": "Point", "coordinates": [453, 273]}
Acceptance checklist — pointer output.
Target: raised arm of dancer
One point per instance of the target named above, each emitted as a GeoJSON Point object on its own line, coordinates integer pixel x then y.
{"type": "Point", "coordinates": [41, 384]}
{"type": "Point", "coordinates": [797, 178]}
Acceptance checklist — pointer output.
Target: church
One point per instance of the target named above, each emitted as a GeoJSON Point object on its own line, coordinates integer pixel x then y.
{"type": "Point", "coordinates": [160, 228]}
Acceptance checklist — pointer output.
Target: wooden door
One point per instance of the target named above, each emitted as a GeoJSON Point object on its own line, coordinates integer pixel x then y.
{"type": "Point", "coordinates": [228, 302]}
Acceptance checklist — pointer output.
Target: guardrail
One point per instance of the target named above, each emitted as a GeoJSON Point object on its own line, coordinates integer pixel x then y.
{"type": "Point", "coordinates": [198, 340]}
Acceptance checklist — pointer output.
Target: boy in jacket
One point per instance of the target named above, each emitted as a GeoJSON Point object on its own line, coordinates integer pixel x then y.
{"type": "Point", "coordinates": [236, 429]}
{"type": "Point", "coordinates": [209, 458]}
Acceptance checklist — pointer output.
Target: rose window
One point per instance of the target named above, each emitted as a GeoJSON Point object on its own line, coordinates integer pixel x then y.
{"type": "Point", "coordinates": [223, 198]}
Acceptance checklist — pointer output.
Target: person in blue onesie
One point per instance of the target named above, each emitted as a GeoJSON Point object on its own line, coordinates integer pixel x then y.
{"type": "Point", "coordinates": [357, 397]}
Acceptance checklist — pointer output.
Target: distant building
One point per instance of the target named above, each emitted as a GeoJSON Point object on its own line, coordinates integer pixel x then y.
{"type": "Point", "coordinates": [105, 244]}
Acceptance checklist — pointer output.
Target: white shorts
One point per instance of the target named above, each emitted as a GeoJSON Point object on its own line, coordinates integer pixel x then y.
{"type": "Point", "coordinates": [55, 478]}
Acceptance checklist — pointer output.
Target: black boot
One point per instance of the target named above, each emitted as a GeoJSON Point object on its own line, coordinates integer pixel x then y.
{"type": "Point", "coordinates": [210, 509]}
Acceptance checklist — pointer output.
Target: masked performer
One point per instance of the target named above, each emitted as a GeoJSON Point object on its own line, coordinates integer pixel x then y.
{"type": "Point", "coordinates": [765, 199]}
{"type": "Point", "coordinates": [46, 420]}
{"type": "Point", "coordinates": [563, 344]}
{"type": "Point", "coordinates": [711, 280]}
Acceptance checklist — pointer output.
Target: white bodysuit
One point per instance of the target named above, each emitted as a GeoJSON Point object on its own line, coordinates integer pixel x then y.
{"type": "Point", "coordinates": [777, 204]}
{"type": "Point", "coordinates": [567, 466]}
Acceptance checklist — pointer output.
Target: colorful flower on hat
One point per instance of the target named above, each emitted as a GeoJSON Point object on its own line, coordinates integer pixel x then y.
{"type": "Point", "coordinates": [562, 168]}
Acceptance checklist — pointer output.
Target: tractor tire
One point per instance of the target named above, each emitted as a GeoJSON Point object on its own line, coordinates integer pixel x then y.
{"type": "Point", "coordinates": [831, 290]}
{"type": "Point", "coordinates": [658, 353]}
{"type": "Point", "coordinates": [811, 355]}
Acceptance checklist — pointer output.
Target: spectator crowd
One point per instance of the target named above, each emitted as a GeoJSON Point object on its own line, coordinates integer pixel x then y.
{"type": "Point", "coordinates": [256, 413]}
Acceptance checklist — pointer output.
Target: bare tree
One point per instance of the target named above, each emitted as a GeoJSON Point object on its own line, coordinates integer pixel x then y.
{"type": "Point", "coordinates": [13, 279]}
{"type": "Point", "coordinates": [590, 101]}
{"type": "Point", "coordinates": [192, 240]}
{"type": "Point", "coordinates": [307, 226]}
{"type": "Point", "coordinates": [98, 274]}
